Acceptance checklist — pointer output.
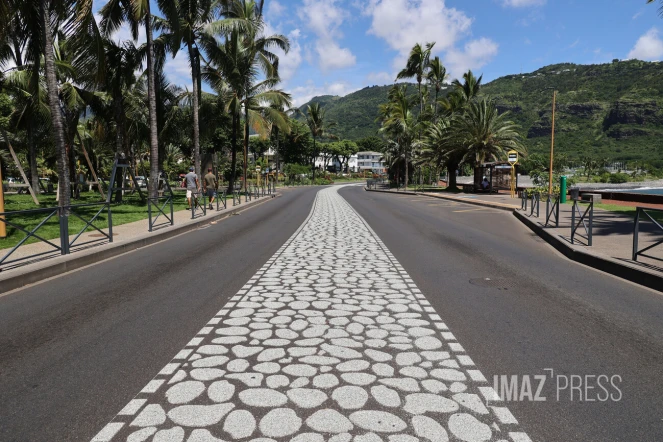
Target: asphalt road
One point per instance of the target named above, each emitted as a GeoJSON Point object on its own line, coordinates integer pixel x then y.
{"type": "Point", "coordinates": [554, 314]}
{"type": "Point", "coordinates": [76, 349]}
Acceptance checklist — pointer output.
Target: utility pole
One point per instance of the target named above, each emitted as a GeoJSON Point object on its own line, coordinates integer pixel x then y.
{"type": "Point", "coordinates": [552, 145]}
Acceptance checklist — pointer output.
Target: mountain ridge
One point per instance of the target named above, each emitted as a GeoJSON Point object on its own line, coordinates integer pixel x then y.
{"type": "Point", "coordinates": [610, 110]}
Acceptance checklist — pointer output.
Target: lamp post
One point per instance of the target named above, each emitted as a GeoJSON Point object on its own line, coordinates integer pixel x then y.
{"type": "Point", "coordinates": [552, 144]}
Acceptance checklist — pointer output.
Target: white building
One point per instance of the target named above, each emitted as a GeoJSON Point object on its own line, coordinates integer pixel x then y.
{"type": "Point", "coordinates": [373, 161]}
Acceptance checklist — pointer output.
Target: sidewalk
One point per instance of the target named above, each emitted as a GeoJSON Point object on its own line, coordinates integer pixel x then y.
{"type": "Point", "coordinates": [495, 200]}
{"type": "Point", "coordinates": [126, 237]}
{"type": "Point", "coordinates": [612, 244]}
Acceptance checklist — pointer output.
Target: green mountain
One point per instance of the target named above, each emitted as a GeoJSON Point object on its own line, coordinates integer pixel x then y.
{"type": "Point", "coordinates": [606, 111]}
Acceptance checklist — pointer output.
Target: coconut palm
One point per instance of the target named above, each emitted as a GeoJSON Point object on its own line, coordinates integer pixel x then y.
{"type": "Point", "coordinates": [319, 126]}
{"type": "Point", "coordinates": [436, 76]}
{"type": "Point", "coordinates": [195, 19]}
{"type": "Point", "coordinates": [470, 86]}
{"type": "Point", "coordinates": [134, 12]}
{"type": "Point", "coordinates": [399, 124]}
{"type": "Point", "coordinates": [416, 66]}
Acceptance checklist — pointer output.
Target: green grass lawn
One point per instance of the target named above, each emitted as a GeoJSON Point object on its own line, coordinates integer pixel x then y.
{"type": "Point", "coordinates": [131, 209]}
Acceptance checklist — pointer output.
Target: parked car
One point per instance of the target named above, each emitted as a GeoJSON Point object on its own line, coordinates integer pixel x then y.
{"type": "Point", "coordinates": [141, 180]}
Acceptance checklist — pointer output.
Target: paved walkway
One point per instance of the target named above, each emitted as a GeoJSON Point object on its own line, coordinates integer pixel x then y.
{"type": "Point", "coordinates": [612, 236]}
{"type": "Point", "coordinates": [121, 234]}
{"type": "Point", "coordinates": [332, 341]}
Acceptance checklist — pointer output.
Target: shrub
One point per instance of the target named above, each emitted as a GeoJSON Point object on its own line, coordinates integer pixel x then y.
{"type": "Point", "coordinates": [618, 178]}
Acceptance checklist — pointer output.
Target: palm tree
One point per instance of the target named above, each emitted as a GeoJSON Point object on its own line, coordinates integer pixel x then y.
{"type": "Point", "coordinates": [319, 127]}
{"type": "Point", "coordinates": [470, 86]}
{"type": "Point", "coordinates": [485, 134]}
{"type": "Point", "coordinates": [46, 9]}
{"type": "Point", "coordinates": [399, 124]}
{"type": "Point", "coordinates": [436, 75]}
{"type": "Point", "coordinates": [417, 63]}
{"type": "Point", "coordinates": [194, 21]}
{"type": "Point", "coordinates": [134, 12]}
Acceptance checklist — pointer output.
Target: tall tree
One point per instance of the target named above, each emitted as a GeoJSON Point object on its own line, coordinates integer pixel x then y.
{"type": "Point", "coordinates": [416, 66]}
{"type": "Point", "coordinates": [134, 13]}
{"type": "Point", "coordinates": [435, 76]}
{"type": "Point", "coordinates": [319, 126]}
{"type": "Point", "coordinates": [399, 125]}
{"type": "Point", "coordinates": [45, 11]}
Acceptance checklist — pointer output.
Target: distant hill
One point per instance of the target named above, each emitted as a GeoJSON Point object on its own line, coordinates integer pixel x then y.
{"type": "Point", "coordinates": [609, 110]}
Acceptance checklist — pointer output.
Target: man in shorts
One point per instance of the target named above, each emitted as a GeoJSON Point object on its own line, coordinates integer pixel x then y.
{"type": "Point", "coordinates": [192, 185]}
{"type": "Point", "coordinates": [210, 185]}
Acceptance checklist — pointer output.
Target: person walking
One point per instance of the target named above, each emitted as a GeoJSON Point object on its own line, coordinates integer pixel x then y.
{"type": "Point", "coordinates": [210, 185]}
{"type": "Point", "coordinates": [192, 186]}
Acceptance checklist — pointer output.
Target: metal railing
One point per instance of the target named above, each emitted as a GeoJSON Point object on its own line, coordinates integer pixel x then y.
{"type": "Point", "coordinates": [523, 201]}
{"type": "Point", "coordinates": [160, 211]}
{"type": "Point", "coordinates": [636, 230]}
{"type": "Point", "coordinates": [196, 199]}
{"type": "Point", "coordinates": [237, 198]}
{"type": "Point", "coordinates": [63, 244]}
{"type": "Point", "coordinates": [552, 209]}
{"type": "Point", "coordinates": [581, 221]}
{"type": "Point", "coordinates": [535, 199]}
{"type": "Point", "coordinates": [221, 200]}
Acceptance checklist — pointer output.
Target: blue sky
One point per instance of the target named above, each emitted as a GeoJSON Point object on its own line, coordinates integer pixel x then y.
{"type": "Point", "coordinates": [339, 46]}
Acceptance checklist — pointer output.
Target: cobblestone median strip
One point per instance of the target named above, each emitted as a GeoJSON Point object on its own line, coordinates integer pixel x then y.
{"type": "Point", "coordinates": [330, 341]}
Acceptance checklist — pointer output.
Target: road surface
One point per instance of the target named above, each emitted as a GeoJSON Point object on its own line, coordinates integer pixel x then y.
{"type": "Point", "coordinates": [333, 315]}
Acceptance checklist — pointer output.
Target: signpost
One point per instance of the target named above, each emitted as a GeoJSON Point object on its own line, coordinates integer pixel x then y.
{"type": "Point", "coordinates": [513, 160]}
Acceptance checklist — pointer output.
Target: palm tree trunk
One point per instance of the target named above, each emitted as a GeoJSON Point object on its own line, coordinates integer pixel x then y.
{"type": "Point", "coordinates": [54, 105]}
{"type": "Point", "coordinates": [152, 105]}
{"type": "Point", "coordinates": [246, 142]}
{"type": "Point", "coordinates": [34, 172]}
{"type": "Point", "coordinates": [196, 128]}
{"type": "Point", "coordinates": [233, 155]}
{"type": "Point", "coordinates": [276, 129]}
{"type": "Point", "coordinates": [315, 155]}
{"type": "Point", "coordinates": [406, 170]}
{"type": "Point", "coordinates": [119, 123]}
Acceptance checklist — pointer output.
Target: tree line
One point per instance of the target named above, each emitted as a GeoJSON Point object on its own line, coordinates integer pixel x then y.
{"type": "Point", "coordinates": [442, 130]}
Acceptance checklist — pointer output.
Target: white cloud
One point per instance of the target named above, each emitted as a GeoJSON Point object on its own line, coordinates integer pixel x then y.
{"type": "Point", "coordinates": [324, 18]}
{"type": "Point", "coordinates": [332, 56]}
{"type": "Point", "coordinates": [274, 9]}
{"type": "Point", "coordinates": [289, 63]}
{"type": "Point", "coordinates": [403, 23]}
{"type": "Point", "coordinates": [178, 70]}
{"type": "Point", "coordinates": [475, 55]}
{"type": "Point", "coordinates": [523, 3]}
{"type": "Point", "coordinates": [303, 94]}
{"type": "Point", "coordinates": [380, 78]}
{"type": "Point", "coordinates": [648, 47]}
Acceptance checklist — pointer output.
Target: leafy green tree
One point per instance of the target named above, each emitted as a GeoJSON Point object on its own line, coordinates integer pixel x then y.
{"type": "Point", "coordinates": [485, 134]}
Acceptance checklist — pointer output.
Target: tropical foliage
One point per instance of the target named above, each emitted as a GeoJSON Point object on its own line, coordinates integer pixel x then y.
{"type": "Point", "coordinates": [69, 84]}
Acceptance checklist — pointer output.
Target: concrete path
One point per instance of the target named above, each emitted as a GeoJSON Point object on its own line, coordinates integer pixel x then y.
{"type": "Point", "coordinates": [331, 339]}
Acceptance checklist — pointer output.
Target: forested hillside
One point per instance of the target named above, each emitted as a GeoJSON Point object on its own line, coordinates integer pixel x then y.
{"type": "Point", "coordinates": [605, 111]}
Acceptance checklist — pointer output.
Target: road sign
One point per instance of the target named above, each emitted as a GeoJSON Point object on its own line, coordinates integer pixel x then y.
{"type": "Point", "coordinates": [513, 157]}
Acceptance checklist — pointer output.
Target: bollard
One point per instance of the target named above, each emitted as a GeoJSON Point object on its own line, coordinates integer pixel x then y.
{"type": "Point", "coordinates": [562, 189]}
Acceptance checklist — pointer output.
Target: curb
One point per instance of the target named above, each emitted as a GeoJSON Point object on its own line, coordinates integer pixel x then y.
{"type": "Point", "coordinates": [49, 268]}
{"type": "Point", "coordinates": [604, 264]}
{"type": "Point", "coordinates": [449, 198]}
